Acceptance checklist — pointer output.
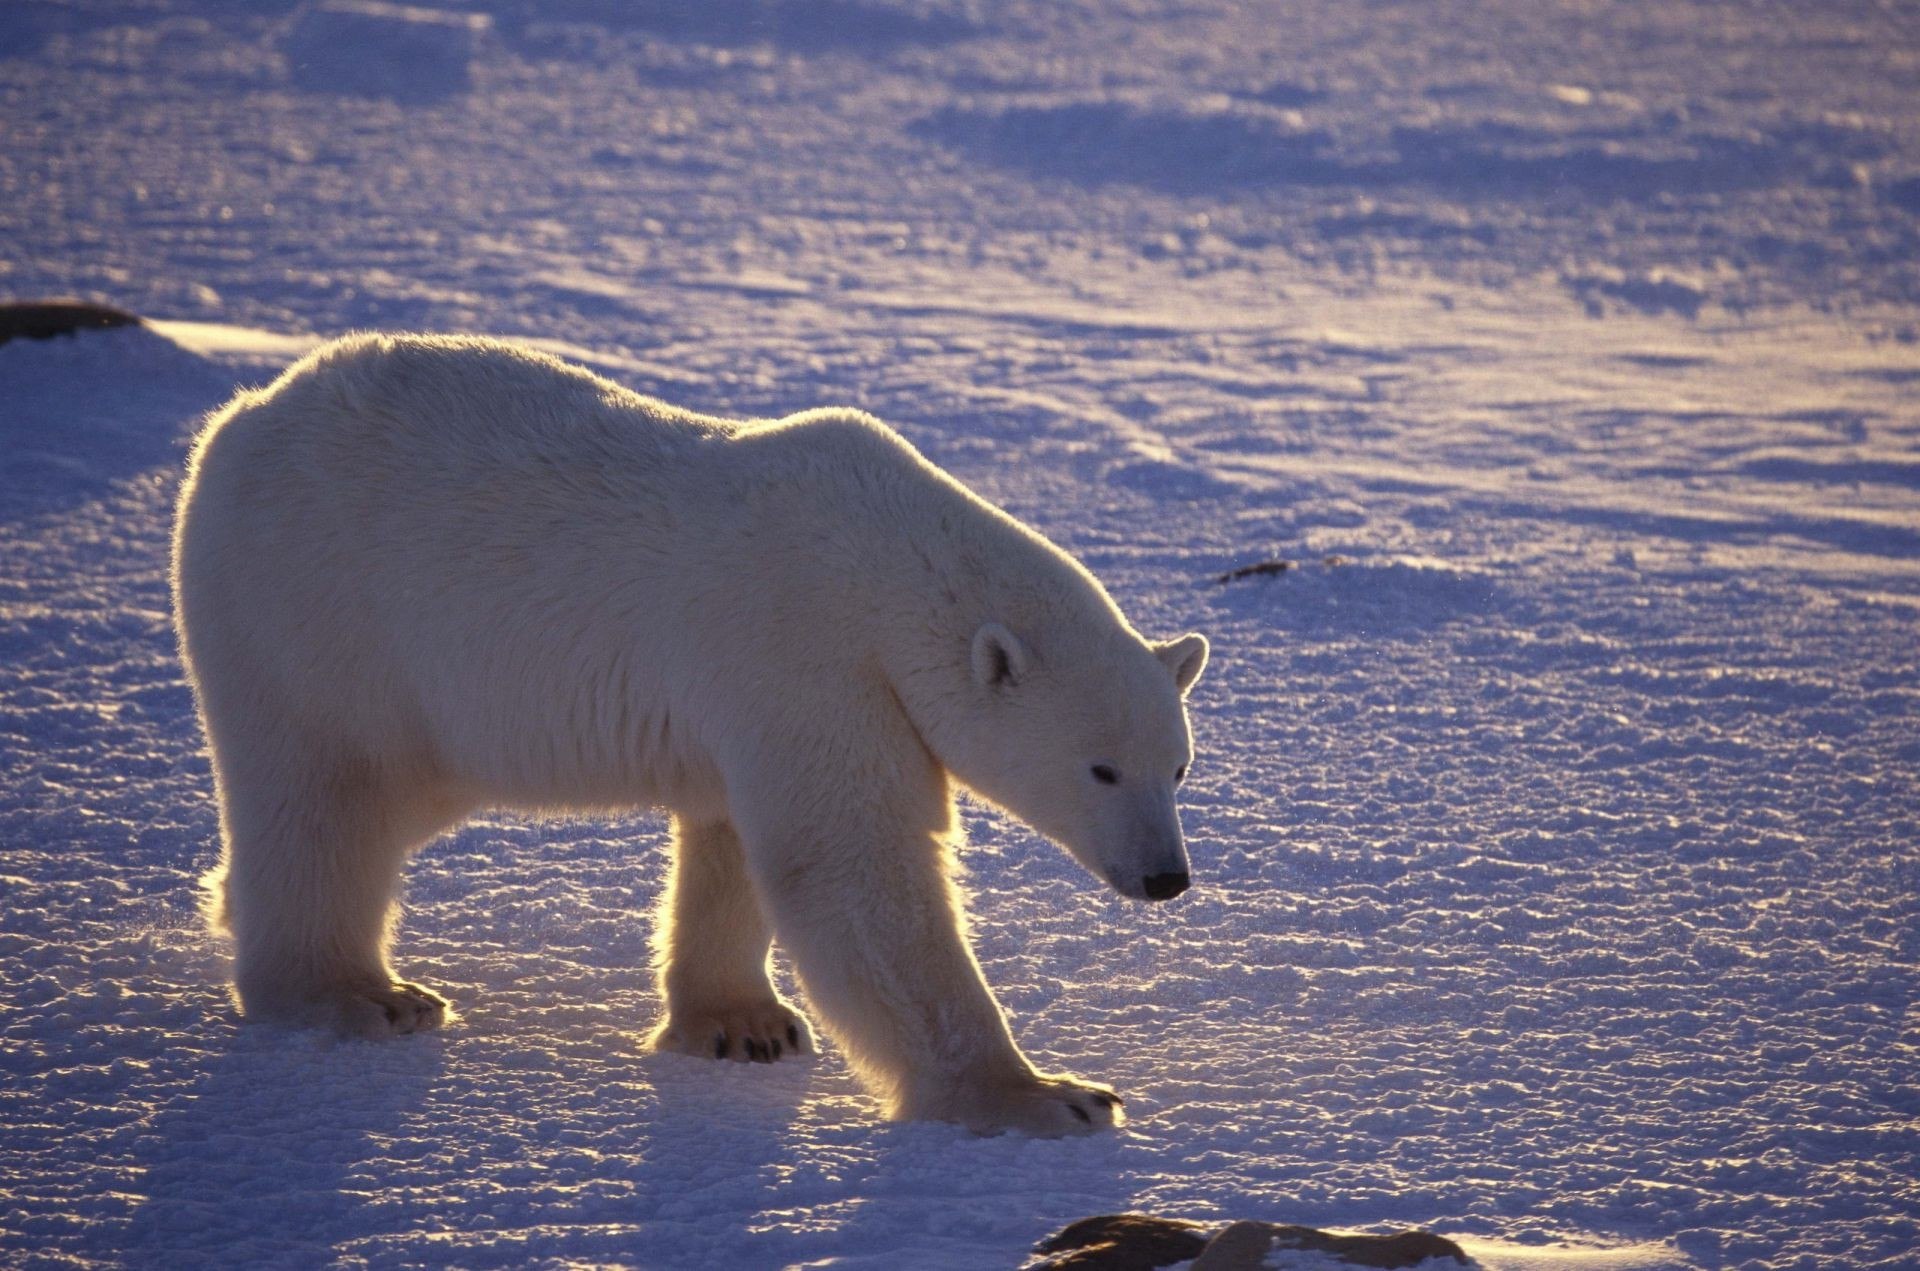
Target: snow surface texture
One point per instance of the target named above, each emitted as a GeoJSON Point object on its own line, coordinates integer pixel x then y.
{"type": "Point", "coordinates": [1555, 821]}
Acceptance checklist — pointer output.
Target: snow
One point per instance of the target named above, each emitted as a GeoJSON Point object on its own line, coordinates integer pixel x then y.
{"type": "Point", "coordinates": [404, 52]}
{"type": "Point", "coordinates": [1555, 818]}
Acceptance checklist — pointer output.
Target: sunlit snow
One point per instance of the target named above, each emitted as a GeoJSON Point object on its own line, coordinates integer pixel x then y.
{"type": "Point", "coordinates": [1556, 816]}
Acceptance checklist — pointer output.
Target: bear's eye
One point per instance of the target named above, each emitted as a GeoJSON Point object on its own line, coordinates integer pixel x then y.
{"type": "Point", "coordinates": [1105, 775]}
{"type": "Point", "coordinates": [1179, 774]}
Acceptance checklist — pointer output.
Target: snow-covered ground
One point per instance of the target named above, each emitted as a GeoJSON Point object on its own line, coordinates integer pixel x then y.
{"type": "Point", "coordinates": [1557, 820]}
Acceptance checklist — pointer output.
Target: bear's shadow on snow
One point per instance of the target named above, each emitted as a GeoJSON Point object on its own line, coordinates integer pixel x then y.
{"type": "Point", "coordinates": [710, 1112]}
{"type": "Point", "coordinates": [739, 1121]}
{"type": "Point", "coordinates": [1102, 1169]}
{"type": "Point", "coordinates": [80, 412]}
{"type": "Point", "coordinates": [267, 1159]}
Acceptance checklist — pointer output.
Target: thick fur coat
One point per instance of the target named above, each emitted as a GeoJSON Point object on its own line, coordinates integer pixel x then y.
{"type": "Point", "coordinates": [418, 576]}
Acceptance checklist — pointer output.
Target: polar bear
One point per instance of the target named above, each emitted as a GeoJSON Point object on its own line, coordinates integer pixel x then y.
{"type": "Point", "coordinates": [418, 576]}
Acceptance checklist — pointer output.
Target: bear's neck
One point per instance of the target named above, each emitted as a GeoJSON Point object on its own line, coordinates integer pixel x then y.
{"type": "Point", "coordinates": [952, 563]}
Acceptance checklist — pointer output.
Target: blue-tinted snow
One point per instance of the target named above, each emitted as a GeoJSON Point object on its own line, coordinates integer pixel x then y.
{"type": "Point", "coordinates": [1556, 814]}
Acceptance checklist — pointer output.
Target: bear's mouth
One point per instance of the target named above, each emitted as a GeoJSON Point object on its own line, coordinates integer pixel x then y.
{"type": "Point", "coordinates": [1166, 886]}
{"type": "Point", "coordinates": [1152, 888]}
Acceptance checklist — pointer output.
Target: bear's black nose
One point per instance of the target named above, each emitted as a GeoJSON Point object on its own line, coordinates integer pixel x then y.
{"type": "Point", "coordinates": [1164, 886]}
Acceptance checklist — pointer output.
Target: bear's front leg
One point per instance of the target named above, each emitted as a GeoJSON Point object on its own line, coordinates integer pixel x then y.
{"type": "Point", "coordinates": [711, 942]}
{"type": "Point", "coordinates": [876, 933]}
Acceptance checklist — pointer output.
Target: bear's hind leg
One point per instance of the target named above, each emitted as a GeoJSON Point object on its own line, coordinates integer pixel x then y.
{"type": "Point", "coordinates": [307, 883]}
{"type": "Point", "coordinates": [711, 942]}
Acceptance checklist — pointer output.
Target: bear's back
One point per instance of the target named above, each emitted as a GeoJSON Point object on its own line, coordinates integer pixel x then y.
{"type": "Point", "coordinates": [462, 402]}
{"type": "Point", "coordinates": [448, 444]}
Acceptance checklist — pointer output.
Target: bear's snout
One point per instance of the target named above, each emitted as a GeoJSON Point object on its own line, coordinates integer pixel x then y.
{"type": "Point", "coordinates": [1164, 886]}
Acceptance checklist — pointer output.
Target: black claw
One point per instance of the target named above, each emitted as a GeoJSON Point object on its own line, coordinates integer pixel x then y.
{"type": "Point", "coordinates": [1080, 1112]}
{"type": "Point", "coordinates": [793, 1036]}
{"type": "Point", "coordinates": [774, 1046]}
{"type": "Point", "coordinates": [720, 1046]}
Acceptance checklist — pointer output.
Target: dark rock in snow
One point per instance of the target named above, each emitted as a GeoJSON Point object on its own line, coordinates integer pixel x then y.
{"type": "Point", "coordinates": [1263, 569]}
{"type": "Point", "coordinates": [1247, 1246]}
{"type": "Point", "coordinates": [1121, 1242]}
{"type": "Point", "coordinates": [44, 319]}
{"type": "Point", "coordinates": [1141, 1242]}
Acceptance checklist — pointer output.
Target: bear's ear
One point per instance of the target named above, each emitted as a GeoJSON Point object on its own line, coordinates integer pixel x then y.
{"type": "Point", "coordinates": [1184, 659]}
{"type": "Point", "coordinates": [999, 659]}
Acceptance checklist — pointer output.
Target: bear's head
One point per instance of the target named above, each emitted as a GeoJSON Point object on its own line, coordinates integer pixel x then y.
{"type": "Point", "coordinates": [1086, 742]}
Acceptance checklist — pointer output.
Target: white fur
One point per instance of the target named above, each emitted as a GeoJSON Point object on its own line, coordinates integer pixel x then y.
{"type": "Point", "coordinates": [417, 576]}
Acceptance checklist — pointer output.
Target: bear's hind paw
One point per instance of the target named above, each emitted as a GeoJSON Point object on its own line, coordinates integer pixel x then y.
{"type": "Point", "coordinates": [758, 1034]}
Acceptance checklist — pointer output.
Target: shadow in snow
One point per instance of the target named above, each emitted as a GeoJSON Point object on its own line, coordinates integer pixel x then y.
{"type": "Point", "coordinates": [271, 1156]}
{"type": "Point", "coordinates": [402, 52]}
{"type": "Point", "coordinates": [1191, 147]}
{"type": "Point", "coordinates": [801, 26]}
{"type": "Point", "coordinates": [27, 25]}
{"type": "Point", "coordinates": [82, 411]}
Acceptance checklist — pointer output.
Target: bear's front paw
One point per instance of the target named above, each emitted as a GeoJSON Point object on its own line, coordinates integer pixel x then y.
{"type": "Point", "coordinates": [358, 1009]}
{"type": "Point", "coordinates": [400, 1007]}
{"type": "Point", "coordinates": [1045, 1106]}
{"type": "Point", "coordinates": [757, 1034]}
